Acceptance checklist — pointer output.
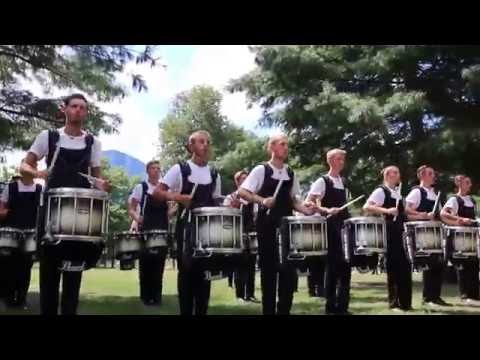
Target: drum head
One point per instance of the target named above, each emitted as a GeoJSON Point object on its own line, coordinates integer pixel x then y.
{"type": "Point", "coordinates": [219, 210]}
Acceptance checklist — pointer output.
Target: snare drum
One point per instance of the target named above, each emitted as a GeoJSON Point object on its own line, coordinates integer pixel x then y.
{"type": "Point", "coordinates": [155, 239]}
{"type": "Point", "coordinates": [29, 243]}
{"type": "Point", "coordinates": [76, 222]}
{"type": "Point", "coordinates": [217, 230]}
{"type": "Point", "coordinates": [462, 242]}
{"type": "Point", "coordinates": [251, 242]}
{"type": "Point", "coordinates": [77, 214]}
{"type": "Point", "coordinates": [128, 245]}
{"type": "Point", "coordinates": [364, 236]}
{"type": "Point", "coordinates": [302, 237]}
{"type": "Point", "coordinates": [10, 240]}
{"type": "Point", "coordinates": [423, 239]}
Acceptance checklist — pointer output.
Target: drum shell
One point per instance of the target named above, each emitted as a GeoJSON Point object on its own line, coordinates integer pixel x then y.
{"type": "Point", "coordinates": [10, 239]}
{"type": "Point", "coordinates": [217, 230]}
{"type": "Point", "coordinates": [251, 242]}
{"type": "Point", "coordinates": [155, 239]}
{"type": "Point", "coordinates": [77, 214]}
{"type": "Point", "coordinates": [29, 243]}
{"type": "Point", "coordinates": [127, 242]}
{"type": "Point", "coordinates": [423, 239]}
{"type": "Point", "coordinates": [364, 236]}
{"type": "Point", "coordinates": [303, 236]}
{"type": "Point", "coordinates": [462, 241]}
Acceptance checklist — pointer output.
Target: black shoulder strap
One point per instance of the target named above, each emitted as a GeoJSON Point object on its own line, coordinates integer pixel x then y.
{"type": "Point", "coordinates": [12, 193]}
{"type": "Point", "coordinates": [290, 172]}
{"type": "Point", "coordinates": [38, 191]}
{"type": "Point", "coordinates": [213, 175]}
{"type": "Point", "coordinates": [144, 193]}
{"type": "Point", "coordinates": [185, 171]}
{"type": "Point", "coordinates": [460, 201]}
{"type": "Point", "coordinates": [53, 137]}
{"type": "Point", "coordinates": [423, 192]}
{"type": "Point", "coordinates": [328, 183]}
{"type": "Point", "coordinates": [268, 171]}
{"type": "Point", "coordinates": [89, 139]}
{"type": "Point", "coordinates": [386, 192]}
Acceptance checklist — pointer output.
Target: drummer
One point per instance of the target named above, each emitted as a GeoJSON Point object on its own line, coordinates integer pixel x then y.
{"type": "Point", "coordinates": [18, 209]}
{"type": "Point", "coordinates": [461, 210]}
{"type": "Point", "coordinates": [330, 193]}
{"type": "Point", "coordinates": [177, 185]}
{"type": "Point", "coordinates": [153, 215]}
{"type": "Point", "coordinates": [259, 188]}
{"type": "Point", "coordinates": [420, 204]}
{"type": "Point", "coordinates": [386, 200]}
{"type": "Point", "coordinates": [78, 151]}
{"type": "Point", "coordinates": [244, 277]}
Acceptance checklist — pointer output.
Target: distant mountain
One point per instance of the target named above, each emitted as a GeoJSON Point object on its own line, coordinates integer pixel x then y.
{"type": "Point", "coordinates": [132, 166]}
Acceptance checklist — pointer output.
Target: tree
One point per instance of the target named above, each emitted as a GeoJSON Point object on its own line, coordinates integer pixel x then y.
{"type": "Point", "coordinates": [122, 187]}
{"type": "Point", "coordinates": [196, 109]}
{"type": "Point", "coordinates": [245, 156]}
{"type": "Point", "coordinates": [404, 105]}
{"type": "Point", "coordinates": [87, 68]}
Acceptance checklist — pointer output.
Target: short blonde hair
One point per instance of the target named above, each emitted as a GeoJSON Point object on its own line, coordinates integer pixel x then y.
{"type": "Point", "coordinates": [458, 179]}
{"type": "Point", "coordinates": [191, 138]}
{"type": "Point", "coordinates": [333, 152]}
{"type": "Point", "coordinates": [273, 139]}
{"type": "Point", "coordinates": [389, 168]}
{"type": "Point", "coordinates": [238, 175]}
{"type": "Point", "coordinates": [421, 170]}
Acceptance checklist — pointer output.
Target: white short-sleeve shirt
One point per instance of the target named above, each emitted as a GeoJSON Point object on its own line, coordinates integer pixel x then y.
{"type": "Point", "coordinates": [378, 196]}
{"type": "Point", "coordinates": [319, 186]}
{"type": "Point", "coordinates": [415, 197]}
{"type": "Point", "coordinates": [21, 188]}
{"type": "Point", "coordinates": [40, 145]}
{"type": "Point", "coordinates": [452, 203]}
{"type": "Point", "coordinates": [199, 175]}
{"type": "Point", "coordinates": [254, 180]}
{"type": "Point", "coordinates": [138, 190]}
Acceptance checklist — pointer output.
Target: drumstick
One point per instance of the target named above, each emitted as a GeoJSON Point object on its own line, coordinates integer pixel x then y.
{"type": "Point", "coordinates": [398, 200]}
{"type": "Point", "coordinates": [436, 202]}
{"type": "Point", "coordinates": [191, 194]}
{"type": "Point", "coordinates": [279, 185]}
{"type": "Point", "coordinates": [54, 159]}
{"type": "Point", "coordinates": [90, 178]}
{"type": "Point", "coordinates": [348, 204]}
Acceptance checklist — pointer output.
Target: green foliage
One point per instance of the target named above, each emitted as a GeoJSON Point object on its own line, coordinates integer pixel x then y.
{"type": "Point", "coordinates": [402, 104]}
{"type": "Point", "coordinates": [122, 187]}
{"type": "Point", "coordinates": [90, 69]}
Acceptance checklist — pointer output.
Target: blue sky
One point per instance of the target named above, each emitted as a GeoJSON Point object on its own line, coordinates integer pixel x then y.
{"type": "Point", "coordinates": [187, 66]}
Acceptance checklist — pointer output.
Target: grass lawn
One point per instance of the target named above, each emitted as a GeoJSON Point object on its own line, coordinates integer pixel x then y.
{"type": "Point", "coordinates": [115, 292]}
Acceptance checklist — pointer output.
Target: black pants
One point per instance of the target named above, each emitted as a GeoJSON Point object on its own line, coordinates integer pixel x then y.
{"type": "Point", "coordinates": [432, 280]}
{"type": "Point", "coordinates": [270, 270]}
{"type": "Point", "coordinates": [338, 272]}
{"type": "Point", "coordinates": [151, 267]}
{"type": "Point", "coordinates": [50, 274]}
{"type": "Point", "coordinates": [6, 270]}
{"type": "Point", "coordinates": [468, 279]}
{"type": "Point", "coordinates": [245, 278]}
{"type": "Point", "coordinates": [399, 279]}
{"type": "Point", "coordinates": [19, 278]}
{"type": "Point", "coordinates": [193, 289]}
{"type": "Point", "coordinates": [316, 279]}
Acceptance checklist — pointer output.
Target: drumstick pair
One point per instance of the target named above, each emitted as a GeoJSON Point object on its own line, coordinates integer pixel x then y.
{"type": "Point", "coordinates": [191, 194]}
{"type": "Point", "coordinates": [348, 204]}
{"type": "Point", "coordinates": [398, 200]}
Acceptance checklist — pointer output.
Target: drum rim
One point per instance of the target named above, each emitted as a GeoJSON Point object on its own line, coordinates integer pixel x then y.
{"type": "Point", "coordinates": [154, 232]}
{"type": "Point", "coordinates": [365, 219]}
{"type": "Point", "coordinates": [127, 232]}
{"type": "Point", "coordinates": [84, 192]}
{"type": "Point", "coordinates": [423, 223]}
{"type": "Point", "coordinates": [312, 219]}
{"type": "Point", "coordinates": [10, 229]}
{"type": "Point", "coordinates": [216, 210]}
{"type": "Point", "coordinates": [470, 228]}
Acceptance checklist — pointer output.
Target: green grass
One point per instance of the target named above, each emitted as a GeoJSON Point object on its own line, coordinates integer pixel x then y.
{"type": "Point", "coordinates": [115, 292]}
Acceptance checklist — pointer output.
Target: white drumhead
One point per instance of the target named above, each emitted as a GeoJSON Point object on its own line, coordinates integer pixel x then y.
{"type": "Point", "coordinates": [218, 210]}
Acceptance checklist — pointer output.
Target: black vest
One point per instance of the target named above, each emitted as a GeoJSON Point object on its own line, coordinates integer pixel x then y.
{"type": "Point", "coordinates": [465, 211]}
{"type": "Point", "coordinates": [69, 162]}
{"type": "Point", "coordinates": [283, 203]}
{"type": "Point", "coordinates": [204, 194]}
{"type": "Point", "coordinates": [335, 198]}
{"type": "Point", "coordinates": [390, 202]}
{"type": "Point", "coordinates": [426, 205]}
{"type": "Point", "coordinates": [23, 207]}
{"type": "Point", "coordinates": [247, 214]}
{"type": "Point", "coordinates": [155, 213]}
